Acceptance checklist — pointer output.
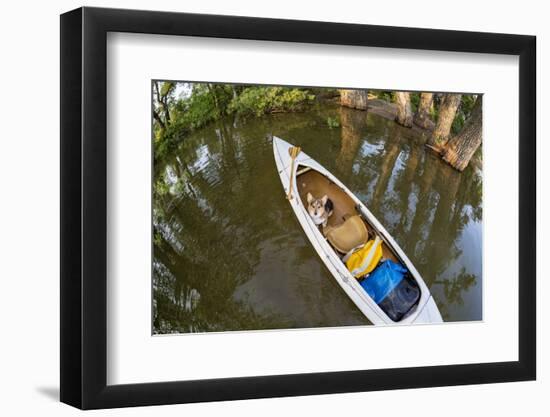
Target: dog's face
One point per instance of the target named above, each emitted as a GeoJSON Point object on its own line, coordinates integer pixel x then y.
{"type": "Point", "coordinates": [316, 206]}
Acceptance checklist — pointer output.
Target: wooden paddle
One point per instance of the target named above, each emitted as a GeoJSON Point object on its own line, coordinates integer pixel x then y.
{"type": "Point", "coordinates": [294, 151]}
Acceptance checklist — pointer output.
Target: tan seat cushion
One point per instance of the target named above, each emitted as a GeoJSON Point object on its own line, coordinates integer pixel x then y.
{"type": "Point", "coordinates": [348, 235]}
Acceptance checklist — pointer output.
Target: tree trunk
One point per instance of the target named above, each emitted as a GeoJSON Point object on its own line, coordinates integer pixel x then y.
{"type": "Point", "coordinates": [166, 112]}
{"type": "Point", "coordinates": [459, 149]}
{"type": "Point", "coordinates": [404, 113]}
{"type": "Point", "coordinates": [447, 111]}
{"type": "Point", "coordinates": [159, 120]}
{"type": "Point", "coordinates": [355, 99]}
{"type": "Point", "coordinates": [422, 116]}
{"type": "Point", "coordinates": [162, 98]}
{"type": "Point", "coordinates": [160, 105]}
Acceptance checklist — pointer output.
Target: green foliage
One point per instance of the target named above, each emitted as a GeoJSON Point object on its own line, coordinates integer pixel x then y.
{"type": "Point", "coordinates": [199, 109]}
{"type": "Point", "coordinates": [434, 111]}
{"type": "Point", "coordinates": [463, 113]}
{"type": "Point", "coordinates": [167, 88]}
{"type": "Point", "coordinates": [458, 123]}
{"type": "Point", "coordinates": [436, 103]}
{"type": "Point", "coordinates": [167, 139]}
{"type": "Point", "coordinates": [415, 100]}
{"type": "Point", "coordinates": [205, 103]}
{"type": "Point", "coordinates": [333, 122]}
{"type": "Point", "coordinates": [325, 93]}
{"type": "Point", "coordinates": [464, 110]}
{"type": "Point", "coordinates": [388, 96]}
{"type": "Point", "coordinates": [261, 100]}
{"type": "Point", "coordinates": [467, 104]}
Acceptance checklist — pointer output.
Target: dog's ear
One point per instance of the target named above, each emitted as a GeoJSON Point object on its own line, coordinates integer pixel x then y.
{"type": "Point", "coordinates": [324, 199]}
{"type": "Point", "coordinates": [309, 198]}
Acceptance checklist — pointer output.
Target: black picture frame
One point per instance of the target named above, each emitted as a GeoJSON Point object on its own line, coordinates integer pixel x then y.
{"type": "Point", "coordinates": [84, 207]}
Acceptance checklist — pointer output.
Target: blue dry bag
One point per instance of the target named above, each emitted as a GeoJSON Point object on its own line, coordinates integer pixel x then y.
{"type": "Point", "coordinates": [391, 286]}
{"type": "Point", "coordinates": [383, 280]}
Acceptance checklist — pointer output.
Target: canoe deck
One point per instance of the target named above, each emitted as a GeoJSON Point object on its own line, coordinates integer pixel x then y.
{"type": "Point", "coordinates": [318, 185]}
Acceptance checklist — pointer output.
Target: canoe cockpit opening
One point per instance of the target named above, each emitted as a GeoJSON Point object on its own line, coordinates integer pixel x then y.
{"type": "Point", "coordinates": [360, 247]}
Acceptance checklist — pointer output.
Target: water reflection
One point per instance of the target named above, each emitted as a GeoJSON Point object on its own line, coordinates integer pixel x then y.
{"type": "Point", "coordinates": [229, 254]}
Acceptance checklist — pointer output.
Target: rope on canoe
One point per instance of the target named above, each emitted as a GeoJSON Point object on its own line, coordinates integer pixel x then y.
{"type": "Point", "coordinates": [294, 152]}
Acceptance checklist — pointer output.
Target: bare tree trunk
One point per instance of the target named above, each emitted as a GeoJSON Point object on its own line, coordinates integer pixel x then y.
{"type": "Point", "coordinates": [447, 112]}
{"type": "Point", "coordinates": [422, 116]}
{"type": "Point", "coordinates": [404, 113]}
{"type": "Point", "coordinates": [355, 99]}
{"type": "Point", "coordinates": [459, 149]}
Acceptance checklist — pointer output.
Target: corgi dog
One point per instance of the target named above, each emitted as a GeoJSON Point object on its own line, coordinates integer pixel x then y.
{"type": "Point", "coordinates": [320, 209]}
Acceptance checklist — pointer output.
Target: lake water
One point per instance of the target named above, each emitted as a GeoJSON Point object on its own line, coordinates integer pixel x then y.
{"type": "Point", "coordinates": [229, 254]}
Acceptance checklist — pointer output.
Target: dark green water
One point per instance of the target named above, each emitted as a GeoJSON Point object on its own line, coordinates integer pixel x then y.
{"type": "Point", "coordinates": [229, 253]}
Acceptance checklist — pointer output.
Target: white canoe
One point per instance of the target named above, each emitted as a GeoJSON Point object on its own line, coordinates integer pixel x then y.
{"type": "Point", "coordinates": [308, 171]}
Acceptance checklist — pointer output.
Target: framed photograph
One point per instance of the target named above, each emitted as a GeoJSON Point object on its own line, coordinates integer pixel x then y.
{"type": "Point", "coordinates": [256, 208]}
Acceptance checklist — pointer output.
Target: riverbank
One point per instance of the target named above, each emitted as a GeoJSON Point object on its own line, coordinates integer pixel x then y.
{"type": "Point", "coordinates": [389, 110]}
{"type": "Point", "coordinates": [196, 105]}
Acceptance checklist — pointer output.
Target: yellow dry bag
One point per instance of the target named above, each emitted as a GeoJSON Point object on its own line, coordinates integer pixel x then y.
{"type": "Point", "coordinates": [364, 260]}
